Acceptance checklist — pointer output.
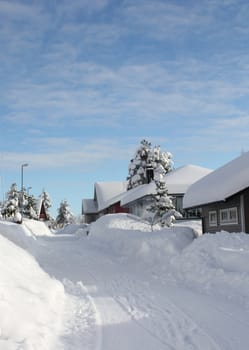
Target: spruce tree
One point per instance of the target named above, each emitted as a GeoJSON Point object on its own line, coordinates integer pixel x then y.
{"type": "Point", "coordinates": [30, 207]}
{"type": "Point", "coordinates": [11, 206]}
{"type": "Point", "coordinates": [64, 214]}
{"type": "Point", "coordinates": [162, 208]}
{"type": "Point", "coordinates": [148, 164]}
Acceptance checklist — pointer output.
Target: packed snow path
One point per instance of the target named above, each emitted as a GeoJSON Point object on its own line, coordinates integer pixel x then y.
{"type": "Point", "coordinates": [125, 307]}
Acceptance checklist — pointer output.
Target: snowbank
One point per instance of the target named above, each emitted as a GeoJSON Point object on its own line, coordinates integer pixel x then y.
{"type": "Point", "coordinates": [71, 229]}
{"type": "Point", "coordinates": [127, 238]}
{"type": "Point", "coordinates": [25, 235]}
{"type": "Point", "coordinates": [216, 262]}
{"type": "Point", "coordinates": [31, 303]}
{"type": "Point", "coordinates": [37, 228]}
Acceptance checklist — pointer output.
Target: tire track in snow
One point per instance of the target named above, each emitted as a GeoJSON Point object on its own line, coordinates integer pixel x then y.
{"type": "Point", "coordinates": [115, 313]}
{"type": "Point", "coordinates": [170, 326]}
{"type": "Point", "coordinates": [169, 322]}
{"type": "Point", "coordinates": [214, 317]}
{"type": "Point", "coordinates": [82, 329]}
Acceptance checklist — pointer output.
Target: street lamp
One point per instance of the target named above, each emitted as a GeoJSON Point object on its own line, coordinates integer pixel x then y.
{"type": "Point", "coordinates": [22, 166]}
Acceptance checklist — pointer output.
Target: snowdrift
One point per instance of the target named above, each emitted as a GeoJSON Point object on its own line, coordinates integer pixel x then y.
{"type": "Point", "coordinates": [212, 263]}
{"type": "Point", "coordinates": [30, 301]}
{"type": "Point", "coordinates": [216, 263]}
{"type": "Point", "coordinates": [72, 229]}
{"type": "Point", "coordinates": [26, 234]}
{"type": "Point", "coordinates": [128, 238]}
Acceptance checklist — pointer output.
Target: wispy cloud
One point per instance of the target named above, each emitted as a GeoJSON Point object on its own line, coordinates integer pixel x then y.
{"type": "Point", "coordinates": [77, 64]}
{"type": "Point", "coordinates": [164, 20]}
{"type": "Point", "coordinates": [87, 90]}
{"type": "Point", "coordinates": [58, 153]}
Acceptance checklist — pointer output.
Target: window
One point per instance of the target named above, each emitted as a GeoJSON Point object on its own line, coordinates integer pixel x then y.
{"type": "Point", "coordinates": [228, 216]}
{"type": "Point", "coordinates": [212, 218]}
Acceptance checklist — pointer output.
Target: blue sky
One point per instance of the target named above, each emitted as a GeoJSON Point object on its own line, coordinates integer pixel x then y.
{"type": "Point", "coordinates": [84, 81]}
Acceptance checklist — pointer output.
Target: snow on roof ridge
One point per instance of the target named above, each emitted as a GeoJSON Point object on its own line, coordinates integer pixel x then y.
{"type": "Point", "coordinates": [106, 192]}
{"type": "Point", "coordinates": [178, 180]}
{"type": "Point", "coordinates": [220, 184]}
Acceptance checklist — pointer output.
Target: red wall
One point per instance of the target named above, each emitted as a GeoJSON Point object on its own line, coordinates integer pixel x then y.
{"type": "Point", "coordinates": [116, 208]}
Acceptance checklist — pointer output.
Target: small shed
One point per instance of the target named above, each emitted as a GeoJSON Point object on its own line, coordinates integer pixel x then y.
{"type": "Point", "coordinates": [41, 210]}
{"type": "Point", "coordinates": [223, 196]}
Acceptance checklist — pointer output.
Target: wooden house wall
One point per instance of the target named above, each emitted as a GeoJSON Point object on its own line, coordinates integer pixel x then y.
{"type": "Point", "coordinates": [116, 208]}
{"type": "Point", "coordinates": [246, 209]}
{"type": "Point", "coordinates": [232, 202]}
{"type": "Point", "coordinates": [90, 218]}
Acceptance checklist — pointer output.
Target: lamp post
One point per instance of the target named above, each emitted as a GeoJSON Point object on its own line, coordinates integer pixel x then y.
{"type": "Point", "coordinates": [22, 166]}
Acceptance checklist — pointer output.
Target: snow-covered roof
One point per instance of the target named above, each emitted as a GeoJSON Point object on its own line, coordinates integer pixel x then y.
{"type": "Point", "coordinates": [219, 185]}
{"type": "Point", "coordinates": [138, 192]}
{"type": "Point", "coordinates": [177, 182]}
{"type": "Point", "coordinates": [107, 192]}
{"type": "Point", "coordinates": [39, 202]}
{"type": "Point", "coordinates": [89, 206]}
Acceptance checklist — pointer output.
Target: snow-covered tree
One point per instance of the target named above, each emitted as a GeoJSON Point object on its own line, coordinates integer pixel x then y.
{"type": "Point", "coordinates": [64, 214]}
{"type": "Point", "coordinates": [162, 210]}
{"type": "Point", "coordinates": [30, 207]}
{"type": "Point", "coordinates": [11, 206]}
{"type": "Point", "coordinates": [148, 164]}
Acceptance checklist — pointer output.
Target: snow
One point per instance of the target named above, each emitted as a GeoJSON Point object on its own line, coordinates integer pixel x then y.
{"type": "Point", "coordinates": [122, 287]}
{"type": "Point", "coordinates": [30, 301]}
{"type": "Point", "coordinates": [179, 180]}
{"type": "Point", "coordinates": [222, 183]}
{"type": "Point", "coordinates": [138, 192]}
{"type": "Point", "coordinates": [105, 191]}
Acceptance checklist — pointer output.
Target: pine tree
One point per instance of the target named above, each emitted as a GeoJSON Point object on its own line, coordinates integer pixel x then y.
{"type": "Point", "coordinates": [64, 214]}
{"type": "Point", "coordinates": [148, 163]}
{"type": "Point", "coordinates": [11, 206]}
{"type": "Point", "coordinates": [162, 208]}
{"type": "Point", "coordinates": [30, 207]}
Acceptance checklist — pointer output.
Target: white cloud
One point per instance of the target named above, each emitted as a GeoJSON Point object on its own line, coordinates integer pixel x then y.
{"type": "Point", "coordinates": [93, 94]}
{"type": "Point", "coordinates": [66, 153]}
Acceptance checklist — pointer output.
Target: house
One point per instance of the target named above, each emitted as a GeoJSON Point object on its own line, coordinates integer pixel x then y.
{"type": "Point", "coordinates": [223, 196]}
{"type": "Point", "coordinates": [41, 210]}
{"type": "Point", "coordinates": [106, 200]}
{"type": "Point", "coordinates": [114, 198]}
{"type": "Point", "coordinates": [42, 214]}
{"type": "Point", "coordinates": [177, 182]}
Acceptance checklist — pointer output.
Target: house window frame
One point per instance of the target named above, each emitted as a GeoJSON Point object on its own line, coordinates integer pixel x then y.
{"type": "Point", "coordinates": [212, 222]}
{"type": "Point", "coordinates": [231, 219]}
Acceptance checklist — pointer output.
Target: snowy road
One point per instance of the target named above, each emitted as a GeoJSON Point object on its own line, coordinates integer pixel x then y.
{"type": "Point", "coordinates": [122, 287]}
{"type": "Point", "coordinates": [116, 305]}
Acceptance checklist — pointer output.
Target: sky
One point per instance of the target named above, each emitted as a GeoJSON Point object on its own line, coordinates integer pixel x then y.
{"type": "Point", "coordinates": [82, 82]}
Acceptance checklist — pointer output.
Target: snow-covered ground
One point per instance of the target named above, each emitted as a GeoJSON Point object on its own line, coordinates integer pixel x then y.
{"type": "Point", "coordinates": [122, 287]}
